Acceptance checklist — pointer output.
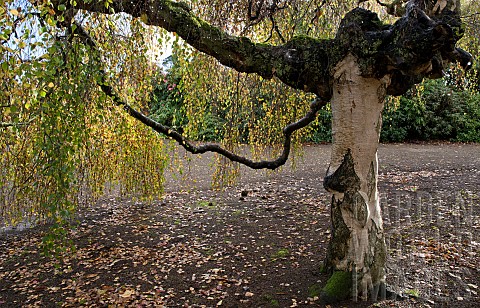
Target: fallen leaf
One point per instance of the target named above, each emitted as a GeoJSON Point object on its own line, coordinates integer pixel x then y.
{"type": "Point", "coordinates": [127, 293]}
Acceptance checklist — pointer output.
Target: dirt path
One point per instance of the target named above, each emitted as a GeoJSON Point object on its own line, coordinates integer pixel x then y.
{"type": "Point", "coordinates": [262, 242]}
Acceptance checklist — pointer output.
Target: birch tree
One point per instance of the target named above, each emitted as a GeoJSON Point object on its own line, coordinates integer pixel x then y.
{"type": "Point", "coordinates": [365, 61]}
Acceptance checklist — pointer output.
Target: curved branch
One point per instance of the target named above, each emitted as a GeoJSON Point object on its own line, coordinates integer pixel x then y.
{"type": "Point", "coordinates": [418, 45]}
{"type": "Point", "coordinates": [316, 105]}
{"type": "Point", "coordinates": [201, 149]}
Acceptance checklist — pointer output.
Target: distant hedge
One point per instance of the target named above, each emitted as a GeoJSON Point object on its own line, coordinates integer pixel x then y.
{"type": "Point", "coordinates": [434, 110]}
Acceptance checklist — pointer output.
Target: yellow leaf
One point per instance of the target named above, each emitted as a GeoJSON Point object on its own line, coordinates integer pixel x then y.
{"type": "Point", "coordinates": [127, 293]}
{"type": "Point", "coordinates": [51, 85]}
{"type": "Point", "coordinates": [22, 44]}
{"type": "Point", "coordinates": [14, 12]}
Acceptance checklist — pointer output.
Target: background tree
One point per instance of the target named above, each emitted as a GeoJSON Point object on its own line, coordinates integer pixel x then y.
{"type": "Point", "coordinates": [355, 70]}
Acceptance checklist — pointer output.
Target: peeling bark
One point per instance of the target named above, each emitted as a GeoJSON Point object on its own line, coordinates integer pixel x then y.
{"type": "Point", "coordinates": [358, 244]}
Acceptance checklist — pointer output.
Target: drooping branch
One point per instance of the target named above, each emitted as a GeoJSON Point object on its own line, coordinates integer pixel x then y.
{"type": "Point", "coordinates": [200, 149]}
{"type": "Point", "coordinates": [315, 106]}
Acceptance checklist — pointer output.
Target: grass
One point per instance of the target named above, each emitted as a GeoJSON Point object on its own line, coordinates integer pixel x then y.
{"type": "Point", "coordinates": [270, 300]}
{"type": "Point", "coordinates": [412, 292]}
{"type": "Point", "coordinates": [314, 290]}
{"type": "Point", "coordinates": [209, 204]}
{"type": "Point", "coordinates": [280, 254]}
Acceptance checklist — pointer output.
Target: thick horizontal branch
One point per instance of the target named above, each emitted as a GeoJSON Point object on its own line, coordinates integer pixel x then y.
{"type": "Point", "coordinates": [415, 47]}
{"type": "Point", "coordinates": [301, 66]}
{"type": "Point", "coordinates": [419, 45]}
{"type": "Point", "coordinates": [316, 105]}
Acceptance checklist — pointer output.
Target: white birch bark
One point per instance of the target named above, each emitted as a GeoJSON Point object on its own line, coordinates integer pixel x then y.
{"type": "Point", "coordinates": [358, 244]}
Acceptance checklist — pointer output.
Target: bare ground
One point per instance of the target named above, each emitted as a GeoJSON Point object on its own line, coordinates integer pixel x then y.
{"type": "Point", "coordinates": [260, 243]}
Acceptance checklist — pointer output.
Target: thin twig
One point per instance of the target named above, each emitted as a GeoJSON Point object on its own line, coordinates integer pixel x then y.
{"type": "Point", "coordinates": [469, 16]}
{"type": "Point", "coordinates": [13, 124]}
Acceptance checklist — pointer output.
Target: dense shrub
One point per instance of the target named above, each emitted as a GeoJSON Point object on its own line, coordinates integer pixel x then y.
{"type": "Point", "coordinates": [433, 111]}
{"type": "Point", "coordinates": [321, 130]}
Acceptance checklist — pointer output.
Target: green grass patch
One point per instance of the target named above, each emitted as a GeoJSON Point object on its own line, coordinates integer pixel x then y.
{"type": "Point", "coordinates": [314, 290]}
{"type": "Point", "coordinates": [270, 300]}
{"type": "Point", "coordinates": [280, 254]}
{"type": "Point", "coordinates": [412, 292]}
{"type": "Point", "coordinates": [209, 204]}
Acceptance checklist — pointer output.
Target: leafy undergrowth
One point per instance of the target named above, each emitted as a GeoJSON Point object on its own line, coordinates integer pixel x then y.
{"type": "Point", "coordinates": [258, 245]}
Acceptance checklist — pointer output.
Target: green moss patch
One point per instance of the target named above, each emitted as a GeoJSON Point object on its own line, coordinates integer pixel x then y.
{"type": "Point", "coordinates": [338, 287]}
{"type": "Point", "coordinates": [315, 290]}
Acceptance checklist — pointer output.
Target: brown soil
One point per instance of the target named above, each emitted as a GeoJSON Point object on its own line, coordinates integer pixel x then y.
{"type": "Point", "coordinates": [260, 243]}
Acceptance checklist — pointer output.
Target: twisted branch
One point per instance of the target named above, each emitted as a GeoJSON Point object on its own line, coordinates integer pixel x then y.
{"type": "Point", "coordinates": [316, 105]}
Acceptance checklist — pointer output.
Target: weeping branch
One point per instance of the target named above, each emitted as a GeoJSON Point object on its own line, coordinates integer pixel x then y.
{"type": "Point", "coordinates": [190, 147]}
{"type": "Point", "coordinates": [419, 45]}
{"type": "Point", "coordinates": [277, 30]}
{"type": "Point", "coordinates": [315, 106]}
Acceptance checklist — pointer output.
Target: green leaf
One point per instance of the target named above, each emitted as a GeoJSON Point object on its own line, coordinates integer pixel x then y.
{"type": "Point", "coordinates": [62, 7]}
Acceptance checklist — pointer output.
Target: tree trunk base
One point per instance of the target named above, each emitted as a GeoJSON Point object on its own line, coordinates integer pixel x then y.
{"type": "Point", "coordinates": [340, 287]}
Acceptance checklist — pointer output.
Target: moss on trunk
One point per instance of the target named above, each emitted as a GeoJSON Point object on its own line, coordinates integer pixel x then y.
{"type": "Point", "coordinates": [338, 287]}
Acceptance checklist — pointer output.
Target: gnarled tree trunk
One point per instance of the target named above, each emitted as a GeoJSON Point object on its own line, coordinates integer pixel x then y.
{"type": "Point", "coordinates": [357, 251]}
